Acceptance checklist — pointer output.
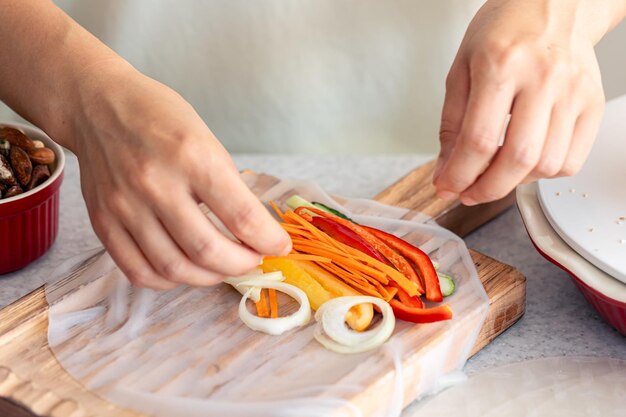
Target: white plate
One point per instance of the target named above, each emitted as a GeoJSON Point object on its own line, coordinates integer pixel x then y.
{"type": "Point", "coordinates": [548, 242]}
{"type": "Point", "coordinates": [588, 210]}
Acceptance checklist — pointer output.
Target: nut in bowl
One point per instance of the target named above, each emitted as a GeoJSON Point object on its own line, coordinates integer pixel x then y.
{"type": "Point", "coordinates": [31, 173]}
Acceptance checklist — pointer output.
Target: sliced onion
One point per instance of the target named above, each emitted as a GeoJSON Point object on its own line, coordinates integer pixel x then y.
{"type": "Point", "coordinates": [279, 325]}
{"type": "Point", "coordinates": [332, 332]}
{"type": "Point", "coordinates": [256, 291]}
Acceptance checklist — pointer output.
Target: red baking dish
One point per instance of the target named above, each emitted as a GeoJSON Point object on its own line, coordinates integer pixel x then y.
{"type": "Point", "coordinates": [605, 293]}
{"type": "Point", "coordinates": [29, 222]}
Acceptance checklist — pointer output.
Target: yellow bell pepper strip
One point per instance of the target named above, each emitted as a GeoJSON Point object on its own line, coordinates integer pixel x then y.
{"type": "Point", "coordinates": [420, 259]}
{"type": "Point", "coordinates": [397, 260]}
{"type": "Point", "coordinates": [320, 286]}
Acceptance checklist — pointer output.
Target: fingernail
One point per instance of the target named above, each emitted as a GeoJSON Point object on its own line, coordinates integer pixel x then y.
{"type": "Point", "coordinates": [447, 195]}
{"type": "Point", "coordinates": [286, 250]}
{"type": "Point", "coordinates": [468, 201]}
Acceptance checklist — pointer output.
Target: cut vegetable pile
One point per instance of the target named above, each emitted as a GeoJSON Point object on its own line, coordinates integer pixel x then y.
{"type": "Point", "coordinates": [344, 271]}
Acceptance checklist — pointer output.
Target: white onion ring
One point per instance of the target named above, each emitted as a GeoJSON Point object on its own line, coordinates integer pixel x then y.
{"type": "Point", "coordinates": [279, 325]}
{"type": "Point", "coordinates": [332, 332]}
{"type": "Point", "coordinates": [256, 293]}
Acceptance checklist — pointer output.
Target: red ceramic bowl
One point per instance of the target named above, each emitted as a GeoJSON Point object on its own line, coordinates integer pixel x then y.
{"type": "Point", "coordinates": [29, 222]}
{"type": "Point", "coordinates": [605, 293]}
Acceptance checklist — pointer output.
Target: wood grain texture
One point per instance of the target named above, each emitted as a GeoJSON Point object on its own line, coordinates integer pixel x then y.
{"type": "Point", "coordinates": [506, 289]}
{"type": "Point", "coordinates": [415, 191]}
{"type": "Point", "coordinates": [31, 376]}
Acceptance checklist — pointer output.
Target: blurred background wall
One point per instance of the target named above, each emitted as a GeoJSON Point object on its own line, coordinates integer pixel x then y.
{"type": "Point", "coordinates": [291, 76]}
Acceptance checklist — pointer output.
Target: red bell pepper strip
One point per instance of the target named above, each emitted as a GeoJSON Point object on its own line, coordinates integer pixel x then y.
{"type": "Point", "coordinates": [419, 258]}
{"type": "Point", "coordinates": [397, 260]}
{"type": "Point", "coordinates": [420, 315]}
{"type": "Point", "coordinates": [345, 236]}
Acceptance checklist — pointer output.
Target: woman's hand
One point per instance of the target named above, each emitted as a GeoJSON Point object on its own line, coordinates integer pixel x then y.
{"type": "Point", "coordinates": [146, 161]}
{"type": "Point", "coordinates": [534, 60]}
{"type": "Point", "coordinates": [146, 157]}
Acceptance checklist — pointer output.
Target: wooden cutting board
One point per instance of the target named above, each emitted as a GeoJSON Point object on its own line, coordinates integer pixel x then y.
{"type": "Point", "coordinates": [31, 379]}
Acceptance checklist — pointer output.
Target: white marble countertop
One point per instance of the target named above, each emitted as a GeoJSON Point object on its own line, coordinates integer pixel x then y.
{"type": "Point", "coordinates": [558, 321]}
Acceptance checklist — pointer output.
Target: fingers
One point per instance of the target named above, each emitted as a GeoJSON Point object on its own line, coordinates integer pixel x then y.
{"type": "Point", "coordinates": [163, 253]}
{"type": "Point", "coordinates": [585, 132]}
{"type": "Point", "coordinates": [165, 258]}
{"type": "Point", "coordinates": [243, 214]}
{"type": "Point", "coordinates": [128, 257]}
{"type": "Point", "coordinates": [457, 91]}
{"type": "Point", "coordinates": [520, 153]}
{"type": "Point", "coordinates": [201, 241]}
{"type": "Point", "coordinates": [558, 139]}
{"type": "Point", "coordinates": [487, 108]}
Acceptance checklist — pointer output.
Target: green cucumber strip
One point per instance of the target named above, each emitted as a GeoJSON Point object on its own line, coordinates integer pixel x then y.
{"type": "Point", "coordinates": [331, 210]}
{"type": "Point", "coordinates": [446, 283]}
{"type": "Point", "coordinates": [296, 201]}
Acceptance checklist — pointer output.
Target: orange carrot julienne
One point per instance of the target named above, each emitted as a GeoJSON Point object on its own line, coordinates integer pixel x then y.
{"type": "Point", "coordinates": [300, 257]}
{"type": "Point", "coordinates": [290, 215]}
{"type": "Point", "coordinates": [357, 269]}
{"type": "Point", "coordinates": [378, 268]}
{"type": "Point", "coordinates": [396, 259]}
{"type": "Point", "coordinates": [277, 210]}
{"type": "Point", "coordinates": [351, 280]}
{"type": "Point", "coordinates": [392, 291]}
{"type": "Point", "coordinates": [261, 305]}
{"type": "Point", "coordinates": [273, 303]}
{"type": "Point", "coordinates": [372, 272]}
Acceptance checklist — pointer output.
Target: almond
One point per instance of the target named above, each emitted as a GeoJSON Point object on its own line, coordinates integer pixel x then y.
{"type": "Point", "coordinates": [40, 174]}
{"type": "Point", "coordinates": [6, 172]}
{"type": "Point", "coordinates": [22, 167]}
{"type": "Point", "coordinates": [43, 156]}
{"type": "Point", "coordinates": [5, 146]}
{"type": "Point", "coordinates": [16, 137]}
{"type": "Point", "coordinates": [13, 191]}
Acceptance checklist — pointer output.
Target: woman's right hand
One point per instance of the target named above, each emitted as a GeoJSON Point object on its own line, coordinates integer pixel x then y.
{"type": "Point", "coordinates": [146, 161]}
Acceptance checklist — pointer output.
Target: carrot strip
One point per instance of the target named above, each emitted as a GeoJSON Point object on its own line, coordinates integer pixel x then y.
{"type": "Point", "coordinates": [391, 272]}
{"type": "Point", "coordinates": [382, 291]}
{"type": "Point", "coordinates": [392, 291]}
{"type": "Point", "coordinates": [344, 260]}
{"type": "Point", "coordinates": [358, 270]}
{"type": "Point", "coordinates": [350, 280]}
{"type": "Point", "coordinates": [394, 274]}
{"type": "Point", "coordinates": [394, 257]}
{"type": "Point", "coordinates": [300, 257]}
{"type": "Point", "coordinates": [314, 230]}
{"type": "Point", "coordinates": [277, 210]}
{"type": "Point", "coordinates": [356, 277]}
{"type": "Point", "coordinates": [273, 303]}
{"type": "Point", "coordinates": [295, 227]}
{"type": "Point", "coordinates": [299, 234]}
{"type": "Point", "coordinates": [261, 306]}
